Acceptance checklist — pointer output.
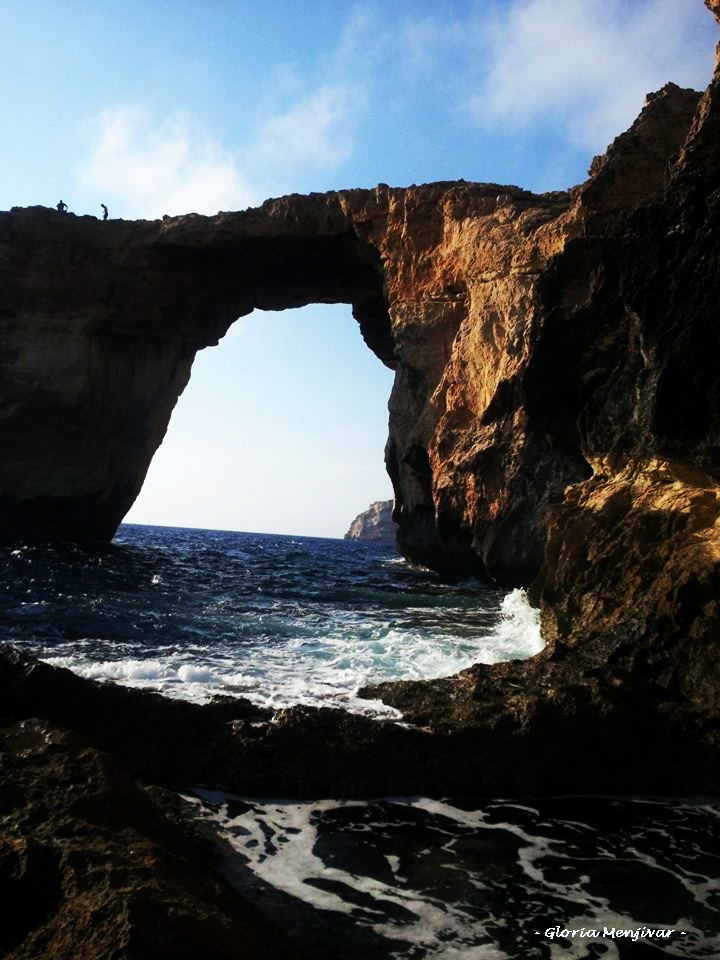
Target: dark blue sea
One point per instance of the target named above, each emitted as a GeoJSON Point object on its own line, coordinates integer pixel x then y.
{"type": "Point", "coordinates": [277, 619]}
{"type": "Point", "coordinates": [283, 620]}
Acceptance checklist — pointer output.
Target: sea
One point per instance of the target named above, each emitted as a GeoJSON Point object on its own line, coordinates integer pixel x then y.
{"type": "Point", "coordinates": [282, 620]}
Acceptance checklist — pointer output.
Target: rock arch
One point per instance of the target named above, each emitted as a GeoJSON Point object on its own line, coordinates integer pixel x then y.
{"type": "Point", "coordinates": [535, 339]}
{"type": "Point", "coordinates": [101, 322]}
{"type": "Point", "coordinates": [513, 321]}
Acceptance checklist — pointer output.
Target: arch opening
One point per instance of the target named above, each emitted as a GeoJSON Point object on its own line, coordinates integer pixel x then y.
{"type": "Point", "coordinates": [281, 429]}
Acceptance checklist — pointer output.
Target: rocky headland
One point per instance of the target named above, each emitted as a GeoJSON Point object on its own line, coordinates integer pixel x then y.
{"type": "Point", "coordinates": [554, 424]}
{"type": "Point", "coordinates": [375, 523]}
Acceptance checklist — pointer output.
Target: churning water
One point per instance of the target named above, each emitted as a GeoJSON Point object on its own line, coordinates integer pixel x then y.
{"type": "Point", "coordinates": [284, 620]}
{"type": "Point", "coordinates": [566, 878]}
{"type": "Point", "coordinates": [280, 620]}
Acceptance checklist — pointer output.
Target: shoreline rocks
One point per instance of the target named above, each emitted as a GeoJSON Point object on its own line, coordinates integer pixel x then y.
{"type": "Point", "coordinates": [92, 866]}
{"type": "Point", "coordinates": [522, 728]}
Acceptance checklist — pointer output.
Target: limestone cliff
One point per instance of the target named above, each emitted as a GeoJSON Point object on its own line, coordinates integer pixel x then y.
{"type": "Point", "coordinates": [375, 523]}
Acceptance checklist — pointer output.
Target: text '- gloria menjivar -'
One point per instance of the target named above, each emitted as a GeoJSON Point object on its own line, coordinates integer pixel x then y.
{"type": "Point", "coordinates": [632, 933]}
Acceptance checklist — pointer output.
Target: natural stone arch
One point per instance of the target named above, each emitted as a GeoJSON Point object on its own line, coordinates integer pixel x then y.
{"type": "Point", "coordinates": [608, 295]}
{"type": "Point", "coordinates": [103, 320]}
{"type": "Point", "coordinates": [481, 295]}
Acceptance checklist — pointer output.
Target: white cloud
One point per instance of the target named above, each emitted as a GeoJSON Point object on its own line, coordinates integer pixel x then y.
{"type": "Point", "coordinates": [146, 168]}
{"type": "Point", "coordinates": [364, 38]}
{"type": "Point", "coordinates": [583, 66]}
{"type": "Point", "coordinates": [314, 133]}
{"type": "Point", "coordinates": [424, 41]}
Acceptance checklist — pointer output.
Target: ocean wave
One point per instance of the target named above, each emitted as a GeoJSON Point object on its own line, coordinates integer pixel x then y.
{"type": "Point", "coordinates": [280, 621]}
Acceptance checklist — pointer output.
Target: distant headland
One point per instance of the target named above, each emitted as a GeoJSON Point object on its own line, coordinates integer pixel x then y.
{"type": "Point", "coordinates": [376, 523]}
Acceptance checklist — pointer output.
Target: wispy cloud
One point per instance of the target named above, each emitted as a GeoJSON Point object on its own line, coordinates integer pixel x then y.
{"type": "Point", "coordinates": [315, 132]}
{"type": "Point", "coordinates": [578, 68]}
{"type": "Point", "coordinates": [425, 41]}
{"type": "Point", "coordinates": [149, 169]}
{"type": "Point", "coordinates": [584, 67]}
{"type": "Point", "coordinates": [146, 167]}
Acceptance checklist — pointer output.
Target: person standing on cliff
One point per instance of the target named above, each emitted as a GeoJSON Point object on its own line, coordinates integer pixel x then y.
{"type": "Point", "coordinates": [105, 211]}
{"type": "Point", "coordinates": [62, 207]}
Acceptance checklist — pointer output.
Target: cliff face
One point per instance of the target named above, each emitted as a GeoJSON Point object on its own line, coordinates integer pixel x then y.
{"type": "Point", "coordinates": [602, 453]}
{"type": "Point", "coordinates": [375, 523]}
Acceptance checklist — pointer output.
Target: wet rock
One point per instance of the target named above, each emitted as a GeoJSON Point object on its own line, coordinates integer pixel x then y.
{"type": "Point", "coordinates": [156, 739]}
{"type": "Point", "coordinates": [511, 729]}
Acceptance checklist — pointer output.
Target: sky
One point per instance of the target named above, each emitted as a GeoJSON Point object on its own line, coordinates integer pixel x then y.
{"type": "Point", "coordinates": [173, 106]}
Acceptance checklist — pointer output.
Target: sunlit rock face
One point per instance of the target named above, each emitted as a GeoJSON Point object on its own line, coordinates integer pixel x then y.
{"type": "Point", "coordinates": [617, 379]}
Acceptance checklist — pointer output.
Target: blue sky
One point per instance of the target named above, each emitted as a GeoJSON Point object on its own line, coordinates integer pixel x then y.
{"type": "Point", "coordinates": [172, 106]}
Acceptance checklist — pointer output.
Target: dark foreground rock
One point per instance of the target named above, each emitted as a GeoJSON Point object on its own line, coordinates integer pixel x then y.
{"type": "Point", "coordinates": [534, 728]}
{"type": "Point", "coordinates": [92, 869]}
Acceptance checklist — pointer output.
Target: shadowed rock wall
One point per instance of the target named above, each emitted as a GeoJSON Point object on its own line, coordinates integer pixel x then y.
{"type": "Point", "coordinates": [99, 325]}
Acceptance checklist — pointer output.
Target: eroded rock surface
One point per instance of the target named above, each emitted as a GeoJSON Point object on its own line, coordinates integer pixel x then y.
{"type": "Point", "coordinates": [617, 381]}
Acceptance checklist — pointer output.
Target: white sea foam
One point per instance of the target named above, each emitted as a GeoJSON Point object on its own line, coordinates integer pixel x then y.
{"type": "Point", "coordinates": [517, 635]}
{"type": "Point", "coordinates": [130, 672]}
{"type": "Point", "coordinates": [328, 668]}
{"type": "Point", "coordinates": [483, 883]}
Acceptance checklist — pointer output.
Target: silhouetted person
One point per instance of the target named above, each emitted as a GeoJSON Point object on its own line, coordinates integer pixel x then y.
{"type": "Point", "coordinates": [105, 213]}
{"type": "Point", "coordinates": [62, 207]}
